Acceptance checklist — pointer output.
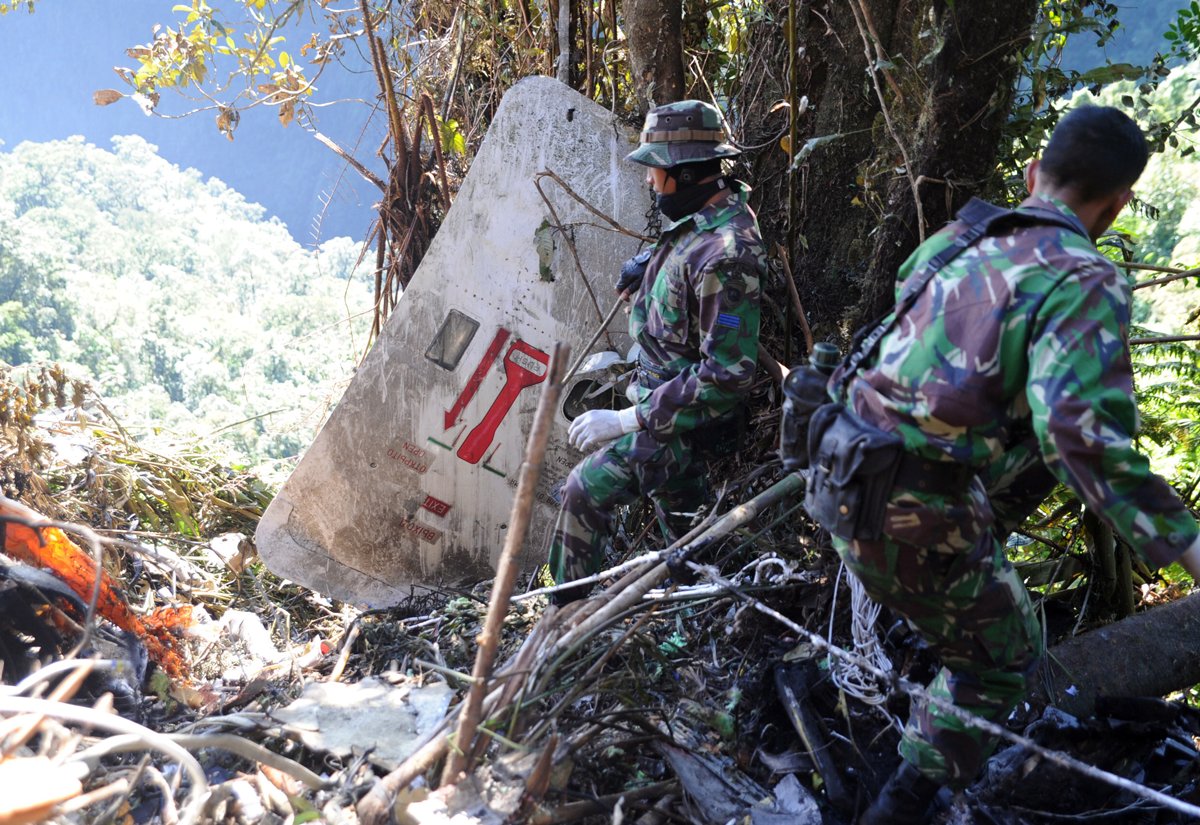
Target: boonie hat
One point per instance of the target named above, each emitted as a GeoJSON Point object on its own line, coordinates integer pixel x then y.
{"type": "Point", "coordinates": [688, 131]}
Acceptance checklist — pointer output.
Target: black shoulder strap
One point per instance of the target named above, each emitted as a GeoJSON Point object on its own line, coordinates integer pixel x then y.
{"type": "Point", "coordinates": [980, 218]}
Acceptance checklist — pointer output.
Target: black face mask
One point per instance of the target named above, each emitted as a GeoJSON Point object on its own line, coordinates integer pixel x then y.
{"type": "Point", "coordinates": [683, 203]}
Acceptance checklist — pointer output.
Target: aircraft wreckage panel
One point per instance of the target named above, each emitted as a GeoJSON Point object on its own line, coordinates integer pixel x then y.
{"type": "Point", "coordinates": [411, 480]}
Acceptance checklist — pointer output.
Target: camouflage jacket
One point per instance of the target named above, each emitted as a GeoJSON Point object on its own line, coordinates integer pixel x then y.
{"type": "Point", "coordinates": [696, 315]}
{"type": "Point", "coordinates": [1028, 328]}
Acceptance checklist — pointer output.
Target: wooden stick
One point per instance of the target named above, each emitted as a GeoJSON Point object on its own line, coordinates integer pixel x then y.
{"type": "Point", "coordinates": [1166, 279]}
{"type": "Point", "coordinates": [796, 305]}
{"type": "Point", "coordinates": [506, 572]}
{"type": "Point", "coordinates": [768, 362]}
{"type": "Point", "coordinates": [587, 349]}
{"type": "Point", "coordinates": [344, 653]}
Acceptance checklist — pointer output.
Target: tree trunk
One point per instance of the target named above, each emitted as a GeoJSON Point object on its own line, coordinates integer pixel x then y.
{"type": "Point", "coordinates": [1149, 654]}
{"type": "Point", "coordinates": [946, 77]}
{"type": "Point", "coordinates": [654, 31]}
{"type": "Point", "coordinates": [956, 131]}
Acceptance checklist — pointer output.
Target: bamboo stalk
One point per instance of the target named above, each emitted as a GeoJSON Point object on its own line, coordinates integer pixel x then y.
{"type": "Point", "coordinates": [506, 572]}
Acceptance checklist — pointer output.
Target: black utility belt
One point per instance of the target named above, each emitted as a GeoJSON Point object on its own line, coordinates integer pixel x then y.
{"type": "Point", "coordinates": [924, 475]}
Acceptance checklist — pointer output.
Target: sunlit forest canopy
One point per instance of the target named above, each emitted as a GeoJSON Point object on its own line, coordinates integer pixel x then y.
{"type": "Point", "coordinates": [190, 313]}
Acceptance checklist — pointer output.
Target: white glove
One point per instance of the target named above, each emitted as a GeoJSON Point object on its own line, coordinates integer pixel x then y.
{"type": "Point", "coordinates": [595, 427]}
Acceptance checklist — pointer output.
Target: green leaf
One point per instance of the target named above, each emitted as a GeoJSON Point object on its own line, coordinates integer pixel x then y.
{"type": "Point", "coordinates": [1111, 73]}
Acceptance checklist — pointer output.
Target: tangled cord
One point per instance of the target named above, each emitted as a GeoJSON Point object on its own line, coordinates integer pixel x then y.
{"type": "Point", "coordinates": [943, 704]}
{"type": "Point", "coordinates": [770, 570]}
{"type": "Point", "coordinates": [846, 673]}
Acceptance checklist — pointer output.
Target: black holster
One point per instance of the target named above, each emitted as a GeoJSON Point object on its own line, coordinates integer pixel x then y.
{"type": "Point", "coordinates": [852, 472]}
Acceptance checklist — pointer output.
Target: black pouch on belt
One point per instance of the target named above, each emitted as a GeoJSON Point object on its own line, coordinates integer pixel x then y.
{"type": "Point", "coordinates": [852, 471]}
{"type": "Point", "coordinates": [720, 437]}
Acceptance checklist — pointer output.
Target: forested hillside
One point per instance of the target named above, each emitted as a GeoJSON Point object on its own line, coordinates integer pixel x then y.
{"type": "Point", "coordinates": [189, 312]}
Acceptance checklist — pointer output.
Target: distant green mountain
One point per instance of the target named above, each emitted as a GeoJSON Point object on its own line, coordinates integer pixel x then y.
{"type": "Point", "coordinates": [188, 310]}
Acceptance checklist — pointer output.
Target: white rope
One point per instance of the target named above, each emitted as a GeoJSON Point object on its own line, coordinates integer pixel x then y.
{"type": "Point", "coordinates": [847, 674]}
{"type": "Point", "coordinates": [771, 570]}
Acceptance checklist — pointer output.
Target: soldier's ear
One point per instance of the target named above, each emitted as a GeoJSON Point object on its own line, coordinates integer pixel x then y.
{"type": "Point", "coordinates": [1108, 210]}
{"type": "Point", "coordinates": [1031, 173]}
{"type": "Point", "coordinates": [1119, 202]}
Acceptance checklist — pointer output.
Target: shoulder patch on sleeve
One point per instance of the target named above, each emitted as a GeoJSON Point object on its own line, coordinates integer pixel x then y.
{"type": "Point", "coordinates": [727, 319]}
{"type": "Point", "coordinates": [733, 290]}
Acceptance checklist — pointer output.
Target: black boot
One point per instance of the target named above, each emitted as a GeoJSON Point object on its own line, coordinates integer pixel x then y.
{"type": "Point", "coordinates": [904, 800]}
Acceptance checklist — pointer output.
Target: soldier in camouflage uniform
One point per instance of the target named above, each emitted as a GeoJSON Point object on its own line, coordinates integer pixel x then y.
{"type": "Point", "coordinates": [1009, 373]}
{"type": "Point", "coordinates": [696, 316]}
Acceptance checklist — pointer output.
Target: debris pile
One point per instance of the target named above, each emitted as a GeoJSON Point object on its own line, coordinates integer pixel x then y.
{"type": "Point", "coordinates": [201, 689]}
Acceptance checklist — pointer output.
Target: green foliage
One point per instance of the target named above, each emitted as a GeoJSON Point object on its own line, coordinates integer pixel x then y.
{"type": "Point", "coordinates": [188, 310]}
{"type": "Point", "coordinates": [1047, 80]}
{"type": "Point", "coordinates": [1184, 32]}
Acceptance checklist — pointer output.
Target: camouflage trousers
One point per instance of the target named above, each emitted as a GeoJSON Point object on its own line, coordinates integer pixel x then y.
{"type": "Point", "coordinates": [941, 565]}
{"type": "Point", "coordinates": [618, 473]}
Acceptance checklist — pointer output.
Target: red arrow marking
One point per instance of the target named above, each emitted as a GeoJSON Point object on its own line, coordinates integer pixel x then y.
{"type": "Point", "coordinates": [476, 378]}
{"type": "Point", "coordinates": [524, 366]}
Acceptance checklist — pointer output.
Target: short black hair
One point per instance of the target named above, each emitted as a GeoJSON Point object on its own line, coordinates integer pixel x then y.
{"type": "Point", "coordinates": [1095, 150]}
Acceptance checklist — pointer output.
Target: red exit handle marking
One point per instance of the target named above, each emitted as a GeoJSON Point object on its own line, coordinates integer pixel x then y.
{"type": "Point", "coordinates": [481, 371]}
{"type": "Point", "coordinates": [524, 367]}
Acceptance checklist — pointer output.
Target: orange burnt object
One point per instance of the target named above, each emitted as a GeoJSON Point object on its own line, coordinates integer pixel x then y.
{"type": "Point", "coordinates": [49, 548]}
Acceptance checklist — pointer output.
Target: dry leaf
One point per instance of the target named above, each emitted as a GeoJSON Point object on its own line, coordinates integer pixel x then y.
{"type": "Point", "coordinates": [104, 97]}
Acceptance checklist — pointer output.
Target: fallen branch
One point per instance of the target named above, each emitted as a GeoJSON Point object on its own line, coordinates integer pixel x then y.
{"type": "Point", "coordinates": [575, 811]}
{"type": "Point", "coordinates": [1164, 339]}
{"type": "Point", "coordinates": [1158, 656]}
{"type": "Point", "coordinates": [1174, 276]}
